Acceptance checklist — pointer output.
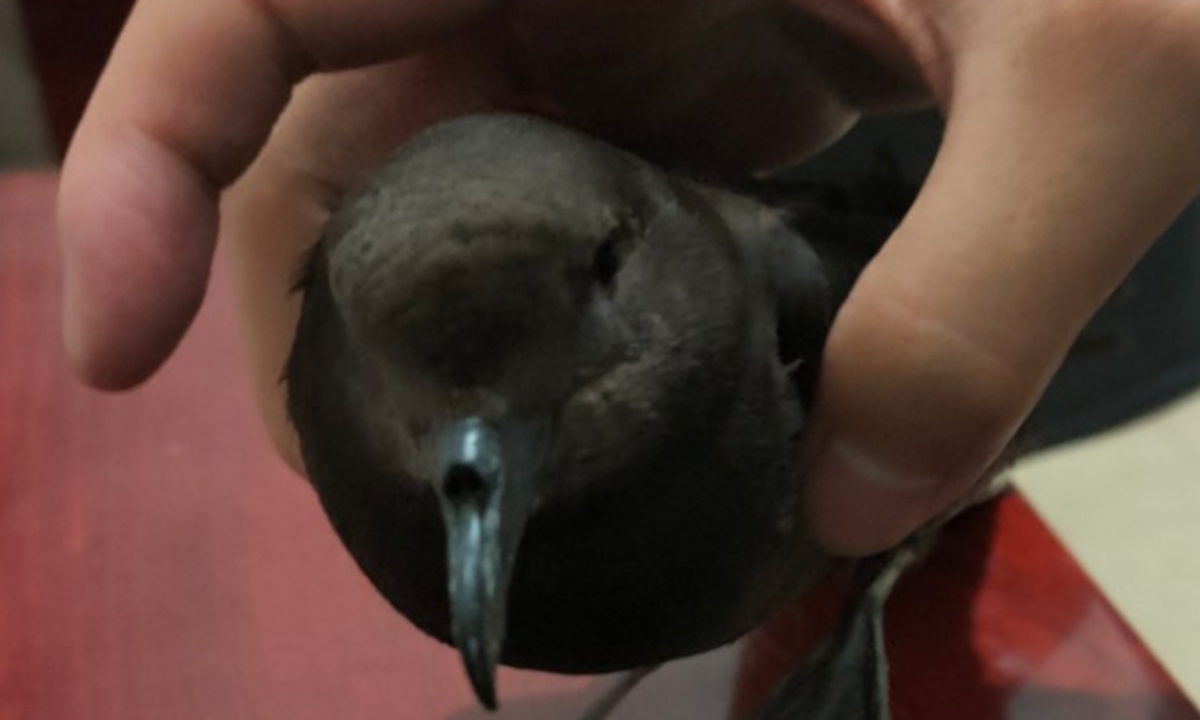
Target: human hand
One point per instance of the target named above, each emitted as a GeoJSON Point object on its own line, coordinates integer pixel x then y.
{"type": "Point", "coordinates": [1071, 143]}
{"type": "Point", "coordinates": [1069, 147]}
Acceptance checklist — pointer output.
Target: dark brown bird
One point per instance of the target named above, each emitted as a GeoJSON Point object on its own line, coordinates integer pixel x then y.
{"type": "Point", "coordinates": [551, 397]}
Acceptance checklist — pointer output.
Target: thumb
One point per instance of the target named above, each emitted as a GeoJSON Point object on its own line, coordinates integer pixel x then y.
{"type": "Point", "coordinates": [1044, 195]}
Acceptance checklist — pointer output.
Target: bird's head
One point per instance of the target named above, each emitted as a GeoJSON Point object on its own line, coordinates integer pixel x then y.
{"type": "Point", "coordinates": [526, 314]}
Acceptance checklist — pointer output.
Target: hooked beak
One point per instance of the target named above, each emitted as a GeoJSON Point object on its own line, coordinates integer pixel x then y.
{"type": "Point", "coordinates": [486, 476]}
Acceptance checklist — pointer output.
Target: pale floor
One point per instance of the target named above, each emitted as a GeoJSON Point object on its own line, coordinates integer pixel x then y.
{"type": "Point", "coordinates": [1127, 503]}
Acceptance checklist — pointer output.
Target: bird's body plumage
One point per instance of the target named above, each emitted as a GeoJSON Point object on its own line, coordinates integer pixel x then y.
{"type": "Point", "coordinates": [659, 337]}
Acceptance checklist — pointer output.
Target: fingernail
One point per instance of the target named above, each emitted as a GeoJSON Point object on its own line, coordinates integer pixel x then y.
{"type": "Point", "coordinates": [839, 457]}
{"type": "Point", "coordinates": [859, 504]}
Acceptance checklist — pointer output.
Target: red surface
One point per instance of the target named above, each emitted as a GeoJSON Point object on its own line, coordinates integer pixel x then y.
{"type": "Point", "coordinates": [999, 623]}
{"type": "Point", "coordinates": [157, 561]}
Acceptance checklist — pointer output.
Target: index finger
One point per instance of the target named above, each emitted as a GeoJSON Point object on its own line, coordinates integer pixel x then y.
{"type": "Point", "coordinates": [187, 100]}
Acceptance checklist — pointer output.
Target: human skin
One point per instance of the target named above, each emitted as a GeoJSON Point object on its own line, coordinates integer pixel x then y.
{"type": "Point", "coordinates": [1071, 142]}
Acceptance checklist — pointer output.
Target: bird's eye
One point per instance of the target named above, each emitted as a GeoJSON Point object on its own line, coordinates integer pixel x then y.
{"type": "Point", "coordinates": [606, 263]}
{"type": "Point", "coordinates": [611, 254]}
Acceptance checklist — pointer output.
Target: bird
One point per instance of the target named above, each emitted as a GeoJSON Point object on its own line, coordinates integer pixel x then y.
{"type": "Point", "coordinates": [552, 397]}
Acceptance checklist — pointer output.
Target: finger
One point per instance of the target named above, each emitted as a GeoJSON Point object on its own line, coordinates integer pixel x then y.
{"type": "Point", "coordinates": [189, 96]}
{"type": "Point", "coordinates": [1046, 191]}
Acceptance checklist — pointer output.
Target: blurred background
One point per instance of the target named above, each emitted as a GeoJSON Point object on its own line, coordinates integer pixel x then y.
{"type": "Point", "coordinates": [1120, 480]}
{"type": "Point", "coordinates": [24, 130]}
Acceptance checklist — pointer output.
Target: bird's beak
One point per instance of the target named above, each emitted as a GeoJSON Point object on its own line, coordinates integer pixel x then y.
{"type": "Point", "coordinates": [486, 477]}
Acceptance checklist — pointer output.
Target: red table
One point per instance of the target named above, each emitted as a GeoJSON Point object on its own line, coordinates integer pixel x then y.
{"type": "Point", "coordinates": [157, 561]}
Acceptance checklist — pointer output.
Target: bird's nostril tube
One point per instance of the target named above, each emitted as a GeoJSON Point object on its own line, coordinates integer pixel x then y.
{"type": "Point", "coordinates": [463, 482]}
